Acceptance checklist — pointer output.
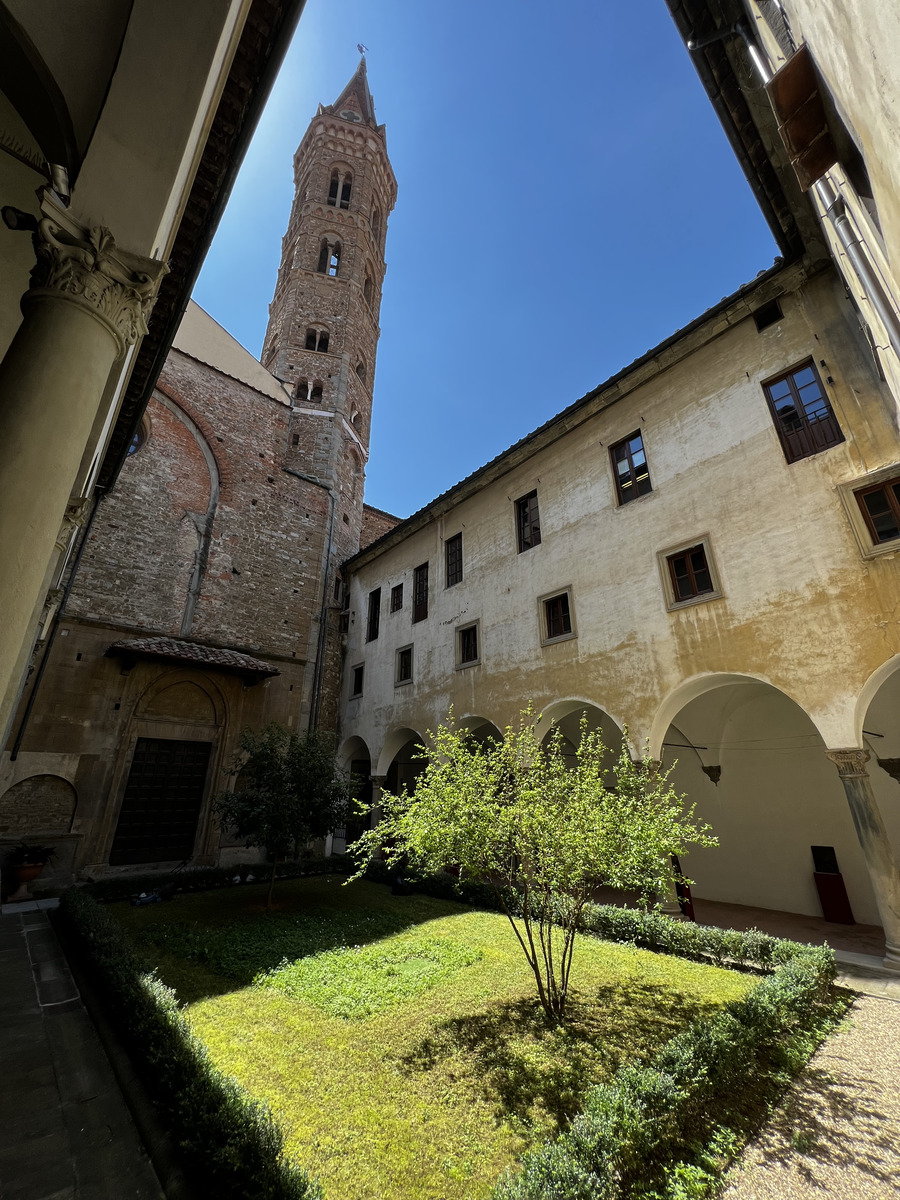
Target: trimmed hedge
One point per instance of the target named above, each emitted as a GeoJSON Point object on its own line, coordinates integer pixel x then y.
{"type": "Point", "coordinates": [203, 879]}
{"type": "Point", "coordinates": [232, 1147]}
{"type": "Point", "coordinates": [650, 1124]}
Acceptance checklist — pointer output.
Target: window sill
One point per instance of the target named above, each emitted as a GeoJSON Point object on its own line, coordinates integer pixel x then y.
{"type": "Point", "coordinates": [847, 492]}
{"type": "Point", "coordinates": [476, 662]}
{"type": "Point", "coordinates": [703, 598]}
{"type": "Point", "coordinates": [563, 637]}
{"type": "Point", "coordinates": [402, 683]}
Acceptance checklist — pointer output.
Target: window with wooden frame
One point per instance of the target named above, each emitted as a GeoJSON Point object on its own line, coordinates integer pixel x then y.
{"type": "Point", "coordinates": [403, 669]}
{"type": "Point", "coordinates": [373, 617]}
{"type": "Point", "coordinates": [420, 593]}
{"type": "Point", "coordinates": [356, 683]}
{"type": "Point", "coordinates": [528, 522]}
{"type": "Point", "coordinates": [880, 508]}
{"type": "Point", "coordinates": [467, 648]}
{"type": "Point", "coordinates": [689, 573]}
{"type": "Point", "coordinates": [557, 615]}
{"type": "Point", "coordinates": [630, 466]}
{"type": "Point", "coordinates": [453, 554]}
{"type": "Point", "coordinates": [802, 413]}
{"type": "Point", "coordinates": [396, 597]}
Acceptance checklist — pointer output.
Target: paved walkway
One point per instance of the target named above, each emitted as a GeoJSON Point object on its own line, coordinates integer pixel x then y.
{"type": "Point", "coordinates": [65, 1131]}
{"type": "Point", "coordinates": [838, 1131]}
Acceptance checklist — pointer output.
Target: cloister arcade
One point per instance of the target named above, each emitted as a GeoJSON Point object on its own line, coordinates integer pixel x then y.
{"type": "Point", "coordinates": [773, 780]}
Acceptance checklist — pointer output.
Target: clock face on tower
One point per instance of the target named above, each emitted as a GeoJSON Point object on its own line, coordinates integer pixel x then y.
{"type": "Point", "coordinates": [349, 115]}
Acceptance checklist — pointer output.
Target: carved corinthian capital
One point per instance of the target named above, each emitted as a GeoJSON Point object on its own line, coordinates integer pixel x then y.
{"type": "Point", "coordinates": [851, 764]}
{"type": "Point", "coordinates": [86, 267]}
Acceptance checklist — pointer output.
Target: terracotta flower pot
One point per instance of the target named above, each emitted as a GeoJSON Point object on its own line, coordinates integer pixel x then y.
{"type": "Point", "coordinates": [25, 873]}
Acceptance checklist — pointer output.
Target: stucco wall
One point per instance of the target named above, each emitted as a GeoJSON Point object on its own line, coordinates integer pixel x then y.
{"type": "Point", "coordinates": [799, 608]}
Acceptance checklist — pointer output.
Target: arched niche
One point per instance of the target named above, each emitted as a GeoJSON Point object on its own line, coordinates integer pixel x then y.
{"type": "Point", "coordinates": [38, 804]}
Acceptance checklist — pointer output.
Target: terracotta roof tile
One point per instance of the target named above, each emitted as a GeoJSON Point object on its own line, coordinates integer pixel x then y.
{"type": "Point", "coordinates": [210, 656]}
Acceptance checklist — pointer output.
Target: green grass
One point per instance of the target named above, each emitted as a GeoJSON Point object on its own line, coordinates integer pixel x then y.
{"type": "Point", "coordinates": [405, 1053]}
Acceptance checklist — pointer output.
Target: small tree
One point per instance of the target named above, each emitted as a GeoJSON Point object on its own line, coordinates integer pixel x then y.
{"type": "Point", "coordinates": [543, 831]}
{"type": "Point", "coordinates": [289, 791]}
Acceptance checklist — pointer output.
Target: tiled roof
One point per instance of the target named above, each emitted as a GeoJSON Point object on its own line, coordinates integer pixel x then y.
{"type": "Point", "coordinates": [209, 656]}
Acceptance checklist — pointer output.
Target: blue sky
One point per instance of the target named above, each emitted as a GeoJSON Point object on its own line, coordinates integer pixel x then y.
{"type": "Point", "coordinates": [567, 199]}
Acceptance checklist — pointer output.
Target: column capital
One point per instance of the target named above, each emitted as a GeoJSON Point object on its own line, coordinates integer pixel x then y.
{"type": "Point", "coordinates": [851, 763]}
{"type": "Point", "coordinates": [87, 268]}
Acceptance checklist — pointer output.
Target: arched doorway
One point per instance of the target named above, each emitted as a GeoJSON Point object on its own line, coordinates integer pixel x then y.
{"type": "Point", "coordinates": [163, 814]}
{"type": "Point", "coordinates": [355, 760]}
{"type": "Point", "coordinates": [754, 764]}
{"type": "Point", "coordinates": [399, 763]}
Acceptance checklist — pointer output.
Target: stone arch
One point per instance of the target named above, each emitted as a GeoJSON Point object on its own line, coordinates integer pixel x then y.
{"type": "Point", "coordinates": [567, 714]}
{"type": "Point", "coordinates": [182, 696]}
{"type": "Point", "coordinates": [38, 804]}
{"type": "Point", "coordinates": [691, 689]}
{"type": "Point", "coordinates": [397, 755]}
{"type": "Point", "coordinates": [752, 760]}
{"type": "Point", "coordinates": [353, 757]}
{"type": "Point", "coordinates": [877, 722]}
{"type": "Point", "coordinates": [481, 728]}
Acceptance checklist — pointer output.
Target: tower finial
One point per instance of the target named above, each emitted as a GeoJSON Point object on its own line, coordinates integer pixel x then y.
{"type": "Point", "coordinates": [362, 49]}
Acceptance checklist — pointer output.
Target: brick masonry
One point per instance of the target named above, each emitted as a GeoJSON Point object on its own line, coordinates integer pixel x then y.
{"type": "Point", "coordinates": [228, 523]}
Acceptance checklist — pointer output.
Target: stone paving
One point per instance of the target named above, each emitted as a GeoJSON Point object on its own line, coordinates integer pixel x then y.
{"type": "Point", "coordinates": [65, 1131]}
{"type": "Point", "coordinates": [837, 1133]}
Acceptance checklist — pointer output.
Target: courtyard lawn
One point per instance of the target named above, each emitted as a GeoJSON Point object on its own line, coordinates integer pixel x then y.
{"type": "Point", "coordinates": [399, 1040]}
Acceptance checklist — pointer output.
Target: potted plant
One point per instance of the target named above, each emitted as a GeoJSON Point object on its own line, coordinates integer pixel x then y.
{"type": "Point", "coordinates": [28, 860]}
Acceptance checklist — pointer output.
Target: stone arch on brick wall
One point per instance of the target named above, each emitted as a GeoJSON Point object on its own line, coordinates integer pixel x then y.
{"type": "Point", "coordinates": [181, 695]}
{"type": "Point", "coordinates": [38, 804]}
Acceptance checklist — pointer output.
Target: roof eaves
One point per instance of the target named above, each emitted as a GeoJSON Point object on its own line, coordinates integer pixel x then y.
{"type": "Point", "coordinates": [789, 277]}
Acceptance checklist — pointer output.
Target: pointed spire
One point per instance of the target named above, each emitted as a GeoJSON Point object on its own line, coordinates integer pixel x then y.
{"type": "Point", "coordinates": [356, 97]}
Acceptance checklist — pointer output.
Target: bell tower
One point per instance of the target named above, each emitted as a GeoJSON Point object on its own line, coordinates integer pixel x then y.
{"type": "Point", "coordinates": [323, 320]}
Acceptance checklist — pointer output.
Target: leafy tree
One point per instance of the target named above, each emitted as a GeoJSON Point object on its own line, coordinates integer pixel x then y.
{"type": "Point", "coordinates": [289, 790]}
{"type": "Point", "coordinates": [544, 831]}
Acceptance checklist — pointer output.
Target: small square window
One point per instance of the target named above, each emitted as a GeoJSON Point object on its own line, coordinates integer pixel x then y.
{"type": "Point", "coordinates": [557, 616]}
{"type": "Point", "coordinates": [374, 615]}
{"type": "Point", "coordinates": [630, 466]}
{"type": "Point", "coordinates": [528, 522]}
{"type": "Point", "coordinates": [356, 685]}
{"type": "Point", "coordinates": [689, 574]}
{"type": "Point", "coordinates": [802, 413]}
{"type": "Point", "coordinates": [872, 504]}
{"type": "Point", "coordinates": [880, 508]}
{"type": "Point", "coordinates": [453, 550]}
{"type": "Point", "coordinates": [420, 593]}
{"type": "Point", "coordinates": [396, 597]}
{"type": "Point", "coordinates": [403, 671]}
{"type": "Point", "coordinates": [467, 647]}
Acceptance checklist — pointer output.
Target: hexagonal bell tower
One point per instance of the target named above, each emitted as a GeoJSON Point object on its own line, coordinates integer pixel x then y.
{"type": "Point", "coordinates": [323, 320]}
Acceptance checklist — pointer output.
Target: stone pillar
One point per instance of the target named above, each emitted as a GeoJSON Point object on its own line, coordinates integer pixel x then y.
{"type": "Point", "coordinates": [378, 783]}
{"type": "Point", "coordinates": [884, 869]}
{"type": "Point", "coordinates": [87, 303]}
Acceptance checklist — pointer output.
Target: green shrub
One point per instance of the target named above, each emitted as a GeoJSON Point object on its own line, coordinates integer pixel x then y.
{"type": "Point", "coordinates": [637, 1135]}
{"type": "Point", "coordinates": [232, 1147]}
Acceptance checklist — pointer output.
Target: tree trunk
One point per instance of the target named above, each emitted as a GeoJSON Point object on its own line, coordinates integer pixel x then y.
{"type": "Point", "coordinates": [272, 882]}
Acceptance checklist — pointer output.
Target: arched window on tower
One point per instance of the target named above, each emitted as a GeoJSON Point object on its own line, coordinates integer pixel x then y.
{"type": "Point", "coordinates": [333, 187]}
{"type": "Point", "coordinates": [376, 224]}
{"type": "Point", "coordinates": [316, 393]}
{"type": "Point", "coordinates": [361, 371]}
{"type": "Point", "coordinates": [301, 390]}
{"type": "Point", "coordinates": [340, 185]}
{"type": "Point", "coordinates": [368, 289]}
{"type": "Point", "coordinates": [329, 258]}
{"type": "Point", "coordinates": [317, 339]}
{"type": "Point", "coordinates": [346, 187]}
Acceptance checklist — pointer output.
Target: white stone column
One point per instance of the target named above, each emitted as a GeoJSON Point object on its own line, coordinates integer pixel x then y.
{"type": "Point", "coordinates": [88, 301]}
{"type": "Point", "coordinates": [884, 869]}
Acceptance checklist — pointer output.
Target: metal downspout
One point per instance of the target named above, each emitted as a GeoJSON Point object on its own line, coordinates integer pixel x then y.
{"type": "Point", "coordinates": [836, 212]}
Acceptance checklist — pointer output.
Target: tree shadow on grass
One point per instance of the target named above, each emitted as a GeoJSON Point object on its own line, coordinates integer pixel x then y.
{"type": "Point", "coordinates": [202, 949]}
{"type": "Point", "coordinates": [536, 1074]}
